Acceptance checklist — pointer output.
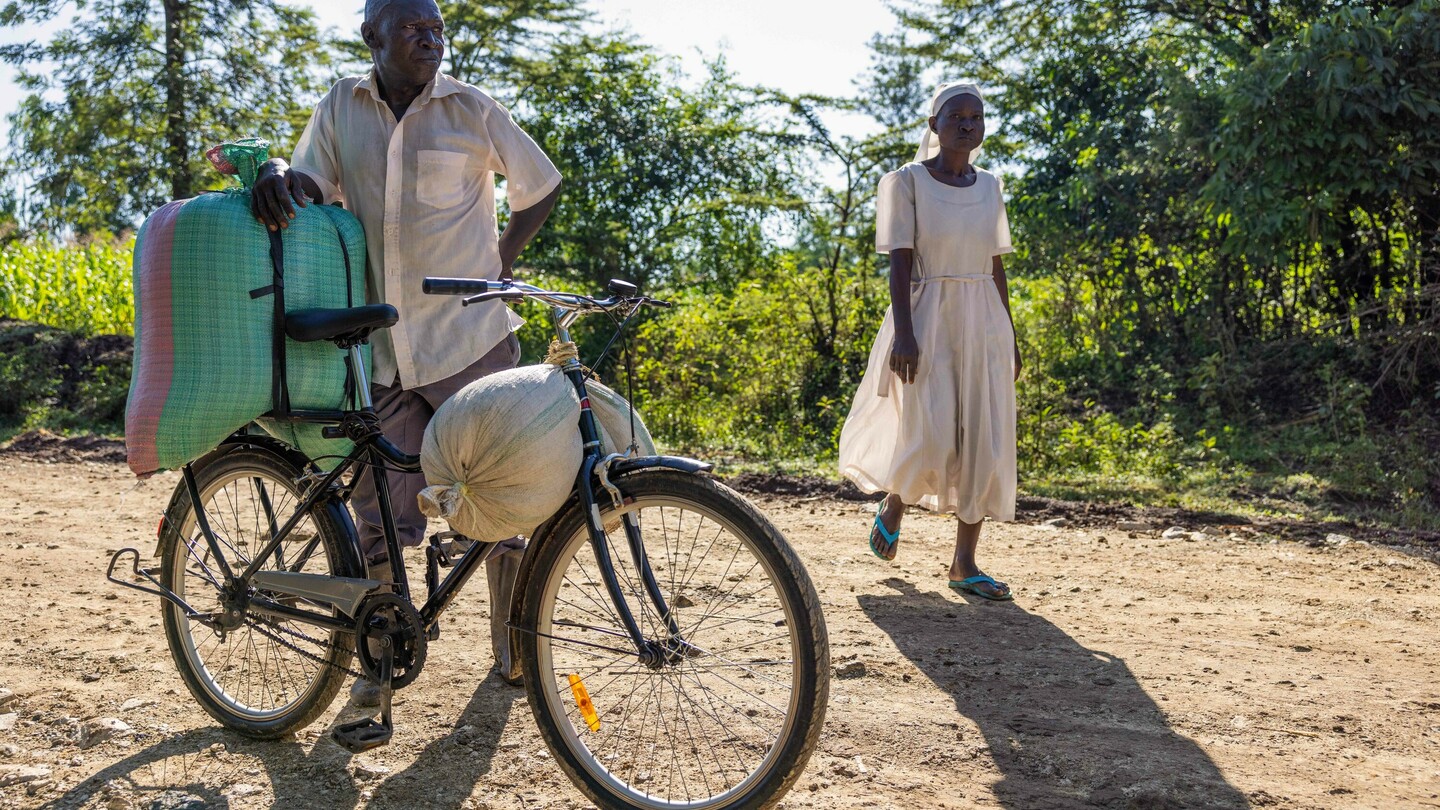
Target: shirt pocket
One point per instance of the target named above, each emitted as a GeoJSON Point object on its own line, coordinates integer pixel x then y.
{"type": "Point", "coordinates": [441, 180]}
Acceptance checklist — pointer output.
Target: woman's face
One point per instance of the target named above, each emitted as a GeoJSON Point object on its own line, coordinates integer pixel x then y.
{"type": "Point", "coordinates": [960, 125]}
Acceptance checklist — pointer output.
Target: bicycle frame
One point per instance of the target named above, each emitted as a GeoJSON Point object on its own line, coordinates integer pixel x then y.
{"type": "Point", "coordinates": [371, 448]}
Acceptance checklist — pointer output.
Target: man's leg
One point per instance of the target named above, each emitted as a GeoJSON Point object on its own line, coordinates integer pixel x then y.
{"type": "Point", "coordinates": [403, 416]}
{"type": "Point", "coordinates": [504, 564]}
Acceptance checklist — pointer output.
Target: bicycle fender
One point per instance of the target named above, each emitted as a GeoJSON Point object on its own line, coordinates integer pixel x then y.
{"type": "Point", "coordinates": [625, 466]}
{"type": "Point", "coordinates": [333, 505]}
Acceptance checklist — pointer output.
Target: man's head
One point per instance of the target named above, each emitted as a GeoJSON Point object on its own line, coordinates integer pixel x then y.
{"type": "Point", "coordinates": [406, 38]}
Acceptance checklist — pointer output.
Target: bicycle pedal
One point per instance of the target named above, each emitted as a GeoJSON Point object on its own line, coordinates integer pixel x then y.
{"type": "Point", "coordinates": [362, 735]}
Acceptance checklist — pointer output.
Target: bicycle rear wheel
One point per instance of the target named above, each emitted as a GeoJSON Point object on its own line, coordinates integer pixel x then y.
{"type": "Point", "coordinates": [267, 677]}
{"type": "Point", "coordinates": [729, 725]}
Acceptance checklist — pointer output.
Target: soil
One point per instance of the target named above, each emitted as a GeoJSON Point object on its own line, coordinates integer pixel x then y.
{"type": "Point", "coordinates": [1207, 665]}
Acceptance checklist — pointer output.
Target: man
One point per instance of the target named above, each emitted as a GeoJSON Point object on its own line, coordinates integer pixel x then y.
{"type": "Point", "coordinates": [413, 154]}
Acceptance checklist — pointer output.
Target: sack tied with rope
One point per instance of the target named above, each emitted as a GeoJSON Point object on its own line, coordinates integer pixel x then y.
{"type": "Point", "coordinates": [501, 456]}
{"type": "Point", "coordinates": [210, 352]}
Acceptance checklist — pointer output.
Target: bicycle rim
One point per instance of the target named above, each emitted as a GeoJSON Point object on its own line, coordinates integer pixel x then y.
{"type": "Point", "coordinates": [703, 731]}
{"type": "Point", "coordinates": [265, 668]}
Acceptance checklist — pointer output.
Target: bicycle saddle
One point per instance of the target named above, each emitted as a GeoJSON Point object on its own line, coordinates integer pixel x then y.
{"type": "Point", "coordinates": [350, 325]}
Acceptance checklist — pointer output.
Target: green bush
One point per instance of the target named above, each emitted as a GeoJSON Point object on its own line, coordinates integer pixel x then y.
{"type": "Point", "coordinates": [85, 288]}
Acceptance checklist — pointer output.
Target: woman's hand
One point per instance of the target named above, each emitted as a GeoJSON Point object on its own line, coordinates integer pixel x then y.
{"type": "Point", "coordinates": [1018, 364]}
{"type": "Point", "coordinates": [905, 357]}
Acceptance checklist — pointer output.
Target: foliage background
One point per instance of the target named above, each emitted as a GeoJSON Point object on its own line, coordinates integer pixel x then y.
{"type": "Point", "coordinates": [1228, 283]}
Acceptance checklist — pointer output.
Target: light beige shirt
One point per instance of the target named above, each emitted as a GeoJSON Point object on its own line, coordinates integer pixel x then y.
{"type": "Point", "coordinates": [424, 190]}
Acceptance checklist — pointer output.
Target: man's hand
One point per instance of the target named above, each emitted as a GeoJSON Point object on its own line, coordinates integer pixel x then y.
{"type": "Point", "coordinates": [905, 358]}
{"type": "Point", "coordinates": [277, 191]}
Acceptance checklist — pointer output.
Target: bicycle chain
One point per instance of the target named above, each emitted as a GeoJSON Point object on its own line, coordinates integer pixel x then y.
{"type": "Point", "coordinates": [275, 636]}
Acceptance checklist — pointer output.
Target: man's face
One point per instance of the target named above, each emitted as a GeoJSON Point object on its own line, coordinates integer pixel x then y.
{"type": "Point", "coordinates": [407, 40]}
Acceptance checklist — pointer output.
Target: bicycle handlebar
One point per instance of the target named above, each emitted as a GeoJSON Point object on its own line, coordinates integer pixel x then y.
{"type": "Point", "coordinates": [480, 290]}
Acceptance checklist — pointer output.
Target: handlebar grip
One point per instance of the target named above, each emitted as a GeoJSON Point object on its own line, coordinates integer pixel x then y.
{"type": "Point", "coordinates": [454, 286]}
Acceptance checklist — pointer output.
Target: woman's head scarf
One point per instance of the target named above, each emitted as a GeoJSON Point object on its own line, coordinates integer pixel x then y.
{"type": "Point", "coordinates": [929, 144]}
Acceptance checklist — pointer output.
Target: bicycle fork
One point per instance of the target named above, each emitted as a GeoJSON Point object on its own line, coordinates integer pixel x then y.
{"type": "Point", "coordinates": [653, 653]}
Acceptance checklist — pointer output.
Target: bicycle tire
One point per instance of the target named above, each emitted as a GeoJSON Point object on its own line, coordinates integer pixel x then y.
{"type": "Point", "coordinates": [714, 703]}
{"type": "Point", "coordinates": [183, 552]}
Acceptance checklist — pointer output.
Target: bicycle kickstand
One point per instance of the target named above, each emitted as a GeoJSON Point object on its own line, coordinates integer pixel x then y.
{"type": "Point", "coordinates": [365, 734]}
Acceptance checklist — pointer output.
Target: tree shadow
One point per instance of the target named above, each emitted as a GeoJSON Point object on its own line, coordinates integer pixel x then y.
{"type": "Point", "coordinates": [1067, 726]}
{"type": "Point", "coordinates": [449, 768]}
{"type": "Point", "coordinates": [206, 767]}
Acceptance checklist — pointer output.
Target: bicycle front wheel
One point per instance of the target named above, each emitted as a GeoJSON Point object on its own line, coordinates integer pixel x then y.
{"type": "Point", "coordinates": [730, 723]}
{"type": "Point", "coordinates": [267, 677]}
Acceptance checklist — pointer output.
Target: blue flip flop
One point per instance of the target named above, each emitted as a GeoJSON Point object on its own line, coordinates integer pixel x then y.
{"type": "Point", "coordinates": [892, 539]}
{"type": "Point", "coordinates": [970, 586]}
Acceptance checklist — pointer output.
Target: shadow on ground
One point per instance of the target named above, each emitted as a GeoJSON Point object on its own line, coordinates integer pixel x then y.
{"type": "Point", "coordinates": [1067, 726]}
{"type": "Point", "coordinates": [212, 768]}
{"type": "Point", "coordinates": [447, 772]}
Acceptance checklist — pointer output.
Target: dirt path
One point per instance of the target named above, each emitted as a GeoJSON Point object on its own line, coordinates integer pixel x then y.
{"type": "Point", "coordinates": [1132, 671]}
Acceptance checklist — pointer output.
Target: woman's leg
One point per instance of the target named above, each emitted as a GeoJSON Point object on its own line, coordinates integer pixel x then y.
{"type": "Point", "coordinates": [963, 566]}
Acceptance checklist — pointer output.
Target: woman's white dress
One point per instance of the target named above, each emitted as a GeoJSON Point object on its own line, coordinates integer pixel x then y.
{"type": "Point", "coordinates": [947, 441]}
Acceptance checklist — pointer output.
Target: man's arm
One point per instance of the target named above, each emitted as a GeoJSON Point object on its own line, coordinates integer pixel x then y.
{"type": "Point", "coordinates": [278, 189]}
{"type": "Point", "coordinates": [521, 228]}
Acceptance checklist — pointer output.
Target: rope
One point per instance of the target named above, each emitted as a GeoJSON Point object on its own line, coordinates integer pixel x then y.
{"type": "Point", "coordinates": [562, 353]}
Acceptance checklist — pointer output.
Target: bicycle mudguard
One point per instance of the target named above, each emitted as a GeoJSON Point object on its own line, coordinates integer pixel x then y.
{"type": "Point", "coordinates": [241, 441]}
{"type": "Point", "coordinates": [625, 466]}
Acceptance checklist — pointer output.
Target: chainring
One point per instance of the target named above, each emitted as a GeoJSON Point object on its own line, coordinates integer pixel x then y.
{"type": "Point", "coordinates": [385, 615]}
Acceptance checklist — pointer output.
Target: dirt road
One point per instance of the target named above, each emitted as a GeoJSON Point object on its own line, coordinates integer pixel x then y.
{"type": "Point", "coordinates": [1133, 670]}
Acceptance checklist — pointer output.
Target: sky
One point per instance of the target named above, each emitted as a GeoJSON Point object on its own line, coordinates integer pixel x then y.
{"type": "Point", "coordinates": [797, 46]}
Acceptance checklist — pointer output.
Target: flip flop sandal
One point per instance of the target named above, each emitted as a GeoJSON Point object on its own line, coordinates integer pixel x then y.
{"type": "Point", "coordinates": [891, 539]}
{"type": "Point", "coordinates": [971, 585]}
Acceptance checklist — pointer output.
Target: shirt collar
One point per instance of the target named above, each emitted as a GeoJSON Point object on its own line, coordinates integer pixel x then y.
{"type": "Point", "coordinates": [439, 87]}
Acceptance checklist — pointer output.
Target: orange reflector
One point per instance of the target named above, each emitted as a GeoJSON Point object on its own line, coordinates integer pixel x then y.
{"type": "Point", "coordinates": [582, 700]}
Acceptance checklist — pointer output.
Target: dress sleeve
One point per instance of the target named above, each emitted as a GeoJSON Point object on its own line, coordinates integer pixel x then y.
{"type": "Point", "coordinates": [529, 174]}
{"type": "Point", "coordinates": [895, 212]}
{"type": "Point", "coordinates": [315, 154]}
{"type": "Point", "coordinates": [1002, 223]}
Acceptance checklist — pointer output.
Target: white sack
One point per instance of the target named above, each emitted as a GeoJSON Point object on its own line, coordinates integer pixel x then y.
{"type": "Point", "coordinates": [612, 411]}
{"type": "Point", "coordinates": [501, 456]}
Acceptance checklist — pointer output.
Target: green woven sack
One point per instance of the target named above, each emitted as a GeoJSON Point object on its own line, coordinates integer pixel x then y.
{"type": "Point", "coordinates": [204, 323]}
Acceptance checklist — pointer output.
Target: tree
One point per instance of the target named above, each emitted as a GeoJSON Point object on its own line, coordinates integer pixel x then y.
{"type": "Point", "coordinates": [124, 101]}
{"type": "Point", "coordinates": [661, 184]}
{"type": "Point", "coordinates": [502, 45]}
{"type": "Point", "coordinates": [1177, 163]}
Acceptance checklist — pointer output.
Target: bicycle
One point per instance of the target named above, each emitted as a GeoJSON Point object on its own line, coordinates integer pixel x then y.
{"type": "Point", "coordinates": [711, 695]}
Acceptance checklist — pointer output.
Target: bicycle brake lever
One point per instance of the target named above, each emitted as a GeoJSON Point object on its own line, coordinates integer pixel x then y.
{"type": "Point", "coordinates": [510, 295]}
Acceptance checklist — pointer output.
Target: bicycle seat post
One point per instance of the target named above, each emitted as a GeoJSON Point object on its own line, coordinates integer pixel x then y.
{"type": "Point", "coordinates": [362, 380]}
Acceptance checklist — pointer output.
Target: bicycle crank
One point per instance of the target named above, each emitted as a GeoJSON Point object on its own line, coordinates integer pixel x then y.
{"type": "Point", "coordinates": [391, 645]}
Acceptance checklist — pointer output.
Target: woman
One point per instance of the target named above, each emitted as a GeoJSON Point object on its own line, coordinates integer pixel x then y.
{"type": "Point", "coordinates": [933, 423]}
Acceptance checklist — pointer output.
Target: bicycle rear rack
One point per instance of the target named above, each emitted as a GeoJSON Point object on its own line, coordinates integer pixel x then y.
{"type": "Point", "coordinates": [159, 590]}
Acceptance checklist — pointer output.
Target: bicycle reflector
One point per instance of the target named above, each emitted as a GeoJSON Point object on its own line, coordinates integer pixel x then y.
{"type": "Point", "coordinates": [582, 700]}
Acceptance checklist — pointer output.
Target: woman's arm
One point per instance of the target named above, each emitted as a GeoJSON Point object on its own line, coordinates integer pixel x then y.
{"type": "Point", "coordinates": [997, 270]}
{"type": "Point", "coordinates": [905, 351]}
